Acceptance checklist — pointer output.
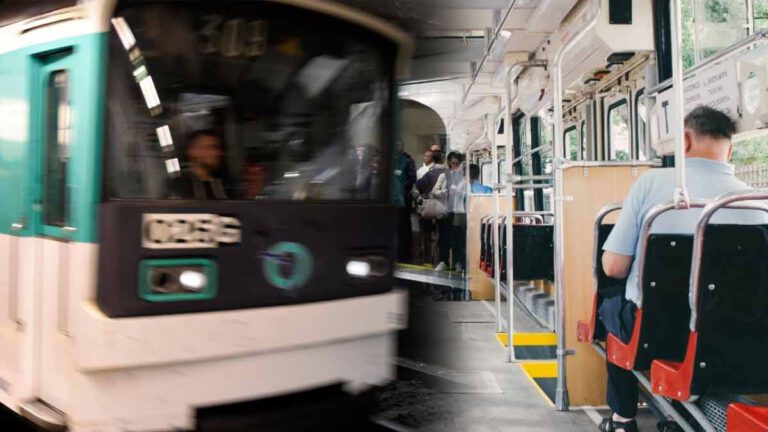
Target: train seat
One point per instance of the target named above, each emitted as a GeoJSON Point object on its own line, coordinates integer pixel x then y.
{"type": "Point", "coordinates": [484, 221]}
{"type": "Point", "coordinates": [661, 325]}
{"type": "Point", "coordinates": [747, 418]}
{"type": "Point", "coordinates": [533, 255]}
{"type": "Point", "coordinates": [726, 352]}
{"type": "Point", "coordinates": [593, 330]}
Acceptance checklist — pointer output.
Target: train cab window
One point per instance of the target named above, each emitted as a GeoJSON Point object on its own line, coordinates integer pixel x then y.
{"type": "Point", "coordinates": [618, 131]}
{"type": "Point", "coordinates": [640, 126]}
{"type": "Point", "coordinates": [571, 142]}
{"type": "Point", "coordinates": [57, 142]}
{"type": "Point", "coordinates": [246, 101]}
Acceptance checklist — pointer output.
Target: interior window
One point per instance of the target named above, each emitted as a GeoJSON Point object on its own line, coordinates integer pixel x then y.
{"type": "Point", "coordinates": [750, 158]}
{"type": "Point", "coordinates": [718, 25]}
{"type": "Point", "coordinates": [571, 141]}
{"type": "Point", "coordinates": [583, 136]}
{"type": "Point", "coordinates": [689, 59]}
{"type": "Point", "coordinates": [618, 131]}
{"type": "Point", "coordinates": [525, 146]}
{"type": "Point", "coordinates": [58, 135]}
{"type": "Point", "coordinates": [546, 139]}
{"type": "Point", "coordinates": [760, 13]}
{"type": "Point", "coordinates": [486, 174]}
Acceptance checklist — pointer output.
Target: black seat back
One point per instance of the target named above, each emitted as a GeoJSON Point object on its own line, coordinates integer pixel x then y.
{"type": "Point", "coordinates": [606, 286]}
{"type": "Point", "coordinates": [489, 247]}
{"type": "Point", "coordinates": [483, 244]}
{"type": "Point", "coordinates": [533, 252]}
{"type": "Point", "coordinates": [732, 311]}
{"type": "Point", "coordinates": [666, 312]}
{"type": "Point", "coordinates": [503, 248]}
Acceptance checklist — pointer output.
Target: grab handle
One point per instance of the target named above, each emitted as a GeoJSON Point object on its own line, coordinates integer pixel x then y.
{"type": "Point", "coordinates": [13, 271]}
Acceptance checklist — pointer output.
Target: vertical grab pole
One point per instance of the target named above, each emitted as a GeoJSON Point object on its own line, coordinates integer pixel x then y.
{"type": "Point", "coordinates": [510, 216]}
{"type": "Point", "coordinates": [561, 396]}
{"type": "Point", "coordinates": [682, 201]}
{"type": "Point", "coordinates": [496, 273]}
{"type": "Point", "coordinates": [467, 206]}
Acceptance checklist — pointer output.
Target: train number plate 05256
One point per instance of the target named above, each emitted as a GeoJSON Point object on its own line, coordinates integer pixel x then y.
{"type": "Point", "coordinates": [188, 230]}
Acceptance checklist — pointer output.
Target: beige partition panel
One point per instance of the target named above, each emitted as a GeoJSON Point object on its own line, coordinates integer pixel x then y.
{"type": "Point", "coordinates": [479, 283]}
{"type": "Point", "coordinates": [586, 191]}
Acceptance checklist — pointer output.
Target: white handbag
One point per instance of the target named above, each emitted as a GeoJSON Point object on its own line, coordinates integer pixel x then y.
{"type": "Point", "coordinates": [433, 208]}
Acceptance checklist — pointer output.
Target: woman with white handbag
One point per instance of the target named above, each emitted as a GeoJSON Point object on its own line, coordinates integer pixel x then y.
{"type": "Point", "coordinates": [433, 206]}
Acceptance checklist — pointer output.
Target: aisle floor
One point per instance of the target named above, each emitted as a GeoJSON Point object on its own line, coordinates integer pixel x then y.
{"type": "Point", "coordinates": [453, 376]}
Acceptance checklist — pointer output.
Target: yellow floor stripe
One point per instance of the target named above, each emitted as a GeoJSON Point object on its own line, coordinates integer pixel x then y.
{"type": "Point", "coordinates": [528, 339]}
{"type": "Point", "coordinates": [536, 385]}
{"type": "Point", "coordinates": [415, 267]}
{"type": "Point", "coordinates": [540, 369]}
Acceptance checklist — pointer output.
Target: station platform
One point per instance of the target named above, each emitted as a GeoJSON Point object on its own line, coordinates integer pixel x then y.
{"type": "Point", "coordinates": [453, 374]}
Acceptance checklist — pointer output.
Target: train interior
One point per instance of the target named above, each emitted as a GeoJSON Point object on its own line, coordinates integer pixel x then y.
{"type": "Point", "coordinates": [483, 84]}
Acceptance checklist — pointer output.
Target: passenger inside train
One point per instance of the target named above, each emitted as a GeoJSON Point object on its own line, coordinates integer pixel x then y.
{"type": "Point", "coordinates": [708, 150]}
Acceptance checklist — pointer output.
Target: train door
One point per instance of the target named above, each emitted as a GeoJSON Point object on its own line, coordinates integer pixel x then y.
{"type": "Point", "coordinates": [52, 120]}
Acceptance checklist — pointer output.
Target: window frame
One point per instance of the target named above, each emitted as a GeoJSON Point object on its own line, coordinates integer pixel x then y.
{"type": "Point", "coordinates": [572, 128]}
{"type": "Point", "coordinates": [609, 138]}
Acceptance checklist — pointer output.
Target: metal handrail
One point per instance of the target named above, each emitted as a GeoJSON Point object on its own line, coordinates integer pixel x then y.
{"type": "Point", "coordinates": [13, 273]}
{"type": "Point", "coordinates": [680, 195]}
{"type": "Point", "coordinates": [699, 236]}
{"type": "Point", "coordinates": [530, 186]}
{"type": "Point", "coordinates": [531, 153]}
{"type": "Point", "coordinates": [518, 179]}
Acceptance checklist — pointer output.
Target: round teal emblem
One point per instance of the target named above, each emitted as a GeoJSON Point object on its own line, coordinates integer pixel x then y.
{"type": "Point", "coordinates": [287, 265]}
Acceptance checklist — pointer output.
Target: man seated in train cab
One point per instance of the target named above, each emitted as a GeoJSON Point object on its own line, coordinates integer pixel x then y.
{"type": "Point", "coordinates": [474, 177]}
{"type": "Point", "coordinates": [708, 149]}
{"type": "Point", "coordinates": [203, 177]}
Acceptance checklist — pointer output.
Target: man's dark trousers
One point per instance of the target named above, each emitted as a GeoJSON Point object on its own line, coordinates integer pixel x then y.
{"type": "Point", "coordinates": [618, 316]}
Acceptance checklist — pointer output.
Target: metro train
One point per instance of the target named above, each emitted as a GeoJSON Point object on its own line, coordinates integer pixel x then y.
{"type": "Point", "coordinates": [596, 104]}
{"type": "Point", "coordinates": [173, 175]}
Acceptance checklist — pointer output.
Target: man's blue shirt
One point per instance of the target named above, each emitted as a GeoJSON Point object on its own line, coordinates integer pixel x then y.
{"type": "Point", "coordinates": [706, 179]}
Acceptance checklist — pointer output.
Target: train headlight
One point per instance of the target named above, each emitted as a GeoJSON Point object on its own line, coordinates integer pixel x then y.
{"type": "Point", "coordinates": [368, 266]}
{"type": "Point", "coordinates": [358, 268]}
{"type": "Point", "coordinates": [163, 280]}
{"type": "Point", "coordinates": [193, 280]}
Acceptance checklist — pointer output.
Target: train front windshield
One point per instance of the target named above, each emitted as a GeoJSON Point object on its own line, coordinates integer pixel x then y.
{"type": "Point", "coordinates": [245, 101]}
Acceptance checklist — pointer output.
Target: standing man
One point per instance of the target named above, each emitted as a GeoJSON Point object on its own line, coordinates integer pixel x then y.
{"type": "Point", "coordinates": [427, 164]}
{"type": "Point", "coordinates": [708, 149]}
{"type": "Point", "coordinates": [405, 173]}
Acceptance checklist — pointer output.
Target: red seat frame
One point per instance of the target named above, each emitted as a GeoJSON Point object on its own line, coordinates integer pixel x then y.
{"type": "Point", "coordinates": [747, 418]}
